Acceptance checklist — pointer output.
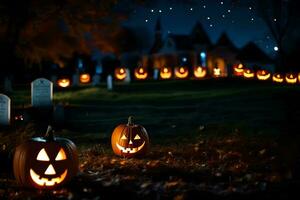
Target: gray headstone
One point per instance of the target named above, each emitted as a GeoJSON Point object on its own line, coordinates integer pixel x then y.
{"type": "Point", "coordinates": [4, 109]}
{"type": "Point", "coordinates": [109, 82]}
{"type": "Point", "coordinates": [127, 78]}
{"type": "Point", "coordinates": [41, 93]}
{"type": "Point", "coordinates": [75, 80]}
{"type": "Point", "coordinates": [96, 80]}
{"type": "Point", "coordinates": [155, 74]}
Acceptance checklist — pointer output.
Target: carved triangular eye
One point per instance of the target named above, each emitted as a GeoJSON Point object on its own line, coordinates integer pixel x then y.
{"type": "Point", "coordinates": [123, 137]}
{"type": "Point", "coordinates": [61, 155]}
{"type": "Point", "coordinates": [137, 137]}
{"type": "Point", "coordinates": [42, 156]}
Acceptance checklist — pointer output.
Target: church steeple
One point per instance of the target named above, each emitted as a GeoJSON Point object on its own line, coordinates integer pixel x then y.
{"type": "Point", "coordinates": [158, 42]}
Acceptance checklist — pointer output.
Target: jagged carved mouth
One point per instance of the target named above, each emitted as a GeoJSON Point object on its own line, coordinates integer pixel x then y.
{"type": "Point", "coordinates": [130, 150]}
{"type": "Point", "coordinates": [46, 181]}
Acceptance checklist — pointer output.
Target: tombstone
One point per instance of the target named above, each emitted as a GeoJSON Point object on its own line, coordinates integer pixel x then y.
{"type": "Point", "coordinates": [75, 80]}
{"type": "Point", "coordinates": [155, 74]}
{"type": "Point", "coordinates": [128, 77]}
{"type": "Point", "coordinates": [109, 83]}
{"type": "Point", "coordinates": [4, 110]}
{"type": "Point", "coordinates": [96, 80]}
{"type": "Point", "coordinates": [41, 93]}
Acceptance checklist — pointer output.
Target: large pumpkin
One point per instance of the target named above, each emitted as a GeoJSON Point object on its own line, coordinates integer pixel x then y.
{"type": "Point", "coordinates": [45, 162]}
{"type": "Point", "coordinates": [130, 140]}
{"type": "Point", "coordinates": [181, 72]}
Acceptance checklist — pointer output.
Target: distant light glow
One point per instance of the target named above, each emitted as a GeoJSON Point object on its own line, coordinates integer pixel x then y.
{"type": "Point", "coordinates": [184, 59]}
{"type": "Point", "coordinates": [276, 48]}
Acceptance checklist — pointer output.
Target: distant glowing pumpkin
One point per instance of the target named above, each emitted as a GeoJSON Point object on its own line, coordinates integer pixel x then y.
{"type": "Point", "coordinates": [165, 73]}
{"type": "Point", "coordinates": [238, 70]}
{"type": "Point", "coordinates": [248, 73]}
{"type": "Point", "coordinates": [64, 82]}
{"type": "Point", "coordinates": [140, 73]}
{"type": "Point", "coordinates": [263, 75]}
{"type": "Point", "coordinates": [291, 78]}
{"type": "Point", "coordinates": [120, 73]}
{"type": "Point", "coordinates": [181, 72]}
{"type": "Point", "coordinates": [45, 162]}
{"type": "Point", "coordinates": [278, 78]}
{"type": "Point", "coordinates": [85, 78]}
{"type": "Point", "coordinates": [217, 72]}
{"type": "Point", "coordinates": [200, 72]}
{"type": "Point", "coordinates": [130, 140]}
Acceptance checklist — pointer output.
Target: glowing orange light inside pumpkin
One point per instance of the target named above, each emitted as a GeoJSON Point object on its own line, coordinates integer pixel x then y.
{"type": "Point", "coordinates": [140, 73]}
{"type": "Point", "coordinates": [238, 70]}
{"type": "Point", "coordinates": [120, 73]}
{"type": "Point", "coordinates": [64, 82]}
{"type": "Point", "coordinates": [200, 72]}
{"type": "Point", "coordinates": [278, 78]}
{"type": "Point", "coordinates": [248, 73]}
{"type": "Point", "coordinates": [263, 75]}
{"type": "Point", "coordinates": [165, 73]}
{"type": "Point", "coordinates": [217, 72]}
{"type": "Point", "coordinates": [291, 78]}
{"type": "Point", "coordinates": [85, 78]}
{"type": "Point", "coordinates": [181, 72]}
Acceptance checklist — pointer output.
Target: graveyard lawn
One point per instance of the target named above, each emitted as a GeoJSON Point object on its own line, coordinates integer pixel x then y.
{"type": "Point", "coordinates": [211, 139]}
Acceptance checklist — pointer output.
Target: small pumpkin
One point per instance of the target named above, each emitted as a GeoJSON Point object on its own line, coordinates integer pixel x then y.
{"type": "Point", "coordinates": [263, 75]}
{"type": "Point", "coordinates": [63, 82]}
{"type": "Point", "coordinates": [85, 78]}
{"type": "Point", "coordinates": [200, 72]}
{"type": "Point", "coordinates": [45, 162]}
{"type": "Point", "coordinates": [217, 72]}
{"type": "Point", "coordinates": [181, 72]}
{"type": "Point", "coordinates": [130, 140]}
{"type": "Point", "coordinates": [120, 73]}
{"type": "Point", "coordinates": [165, 73]}
{"type": "Point", "coordinates": [248, 73]}
{"type": "Point", "coordinates": [238, 70]}
{"type": "Point", "coordinates": [291, 78]}
{"type": "Point", "coordinates": [278, 78]}
{"type": "Point", "coordinates": [140, 73]}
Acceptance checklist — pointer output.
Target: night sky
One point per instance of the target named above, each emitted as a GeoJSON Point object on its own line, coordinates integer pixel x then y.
{"type": "Point", "coordinates": [241, 23]}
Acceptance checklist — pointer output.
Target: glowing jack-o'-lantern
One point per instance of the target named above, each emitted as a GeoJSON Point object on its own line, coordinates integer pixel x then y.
{"type": "Point", "coordinates": [140, 73]}
{"type": "Point", "coordinates": [130, 140]}
{"type": "Point", "coordinates": [278, 78]}
{"type": "Point", "coordinates": [248, 73]}
{"type": "Point", "coordinates": [291, 78]}
{"type": "Point", "coordinates": [84, 78]}
{"type": "Point", "coordinates": [263, 75]}
{"type": "Point", "coordinates": [120, 73]}
{"type": "Point", "coordinates": [238, 70]}
{"type": "Point", "coordinates": [165, 73]}
{"type": "Point", "coordinates": [217, 72]}
{"type": "Point", "coordinates": [64, 82]}
{"type": "Point", "coordinates": [45, 162]}
{"type": "Point", "coordinates": [181, 72]}
{"type": "Point", "coordinates": [200, 72]}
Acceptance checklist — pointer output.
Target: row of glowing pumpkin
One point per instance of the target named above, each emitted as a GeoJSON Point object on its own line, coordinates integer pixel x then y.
{"type": "Point", "coordinates": [199, 72]}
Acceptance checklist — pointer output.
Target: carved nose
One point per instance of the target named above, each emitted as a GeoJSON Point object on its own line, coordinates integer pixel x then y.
{"type": "Point", "coordinates": [50, 170]}
{"type": "Point", "coordinates": [130, 142]}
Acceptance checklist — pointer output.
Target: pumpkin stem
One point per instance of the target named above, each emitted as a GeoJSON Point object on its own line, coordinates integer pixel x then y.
{"type": "Point", "coordinates": [130, 120]}
{"type": "Point", "coordinates": [49, 136]}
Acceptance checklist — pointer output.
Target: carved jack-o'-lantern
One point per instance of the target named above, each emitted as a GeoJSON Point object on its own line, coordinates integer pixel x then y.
{"type": "Point", "coordinates": [64, 82]}
{"type": "Point", "coordinates": [263, 75]}
{"type": "Point", "coordinates": [165, 73]}
{"type": "Point", "coordinates": [217, 72]}
{"type": "Point", "coordinates": [248, 73]}
{"type": "Point", "coordinates": [140, 73]}
{"type": "Point", "coordinates": [238, 70]}
{"type": "Point", "coordinates": [130, 140]}
{"type": "Point", "coordinates": [84, 78]}
{"type": "Point", "coordinates": [291, 78]}
{"type": "Point", "coordinates": [278, 78]}
{"type": "Point", "coordinates": [45, 162]}
{"type": "Point", "coordinates": [120, 73]}
{"type": "Point", "coordinates": [200, 72]}
{"type": "Point", "coordinates": [181, 72]}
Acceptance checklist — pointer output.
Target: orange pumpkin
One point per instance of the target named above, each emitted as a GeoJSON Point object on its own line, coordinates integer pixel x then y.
{"type": "Point", "coordinates": [130, 140]}
{"type": "Point", "coordinates": [181, 72]}
{"type": "Point", "coordinates": [200, 72]}
{"type": "Point", "coordinates": [278, 78]}
{"type": "Point", "coordinates": [263, 75]}
{"type": "Point", "coordinates": [217, 72]}
{"type": "Point", "coordinates": [85, 78]}
{"type": "Point", "coordinates": [238, 70]}
{"type": "Point", "coordinates": [140, 73]}
{"type": "Point", "coordinates": [165, 73]}
{"type": "Point", "coordinates": [248, 73]}
{"type": "Point", "coordinates": [291, 78]}
{"type": "Point", "coordinates": [63, 82]}
{"type": "Point", "coordinates": [120, 73]}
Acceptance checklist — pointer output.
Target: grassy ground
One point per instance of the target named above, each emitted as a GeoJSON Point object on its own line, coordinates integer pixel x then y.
{"type": "Point", "coordinates": [185, 119]}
